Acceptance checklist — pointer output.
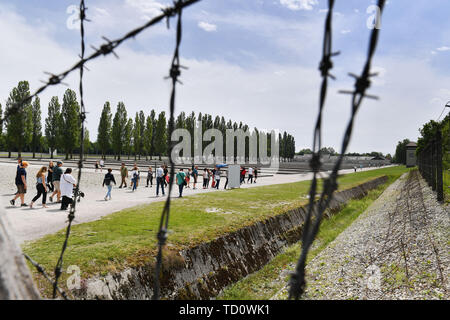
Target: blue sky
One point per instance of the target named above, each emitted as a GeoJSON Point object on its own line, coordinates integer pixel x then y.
{"type": "Point", "coordinates": [253, 61]}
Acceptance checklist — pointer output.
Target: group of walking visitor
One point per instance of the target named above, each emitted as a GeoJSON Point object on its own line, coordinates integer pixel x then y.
{"type": "Point", "coordinates": [211, 177]}
{"type": "Point", "coordinates": [52, 179]}
{"type": "Point", "coordinates": [49, 178]}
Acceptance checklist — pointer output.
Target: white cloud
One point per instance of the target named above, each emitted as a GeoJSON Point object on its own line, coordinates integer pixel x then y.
{"type": "Point", "coordinates": [345, 31]}
{"type": "Point", "coordinates": [208, 27]}
{"type": "Point", "coordinates": [444, 48]}
{"type": "Point", "coordinates": [299, 4]}
{"type": "Point", "coordinates": [147, 7]}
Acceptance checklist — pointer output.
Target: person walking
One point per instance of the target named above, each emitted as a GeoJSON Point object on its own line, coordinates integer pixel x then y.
{"type": "Point", "coordinates": [56, 178]}
{"type": "Point", "coordinates": [243, 172]}
{"type": "Point", "coordinates": [21, 184]}
{"type": "Point", "coordinates": [181, 181]}
{"type": "Point", "coordinates": [41, 187]}
{"type": "Point", "coordinates": [213, 175]}
{"type": "Point", "coordinates": [226, 181]}
{"type": "Point", "coordinates": [256, 173]}
{"type": "Point", "coordinates": [160, 180]}
{"type": "Point", "coordinates": [217, 178]}
{"type": "Point", "coordinates": [134, 177]}
{"type": "Point", "coordinates": [108, 180]}
{"type": "Point", "coordinates": [205, 178]}
{"type": "Point", "coordinates": [150, 177]}
{"type": "Point", "coordinates": [166, 175]}
{"type": "Point", "coordinates": [195, 175]}
{"type": "Point", "coordinates": [188, 178]}
{"type": "Point", "coordinates": [96, 166]}
{"type": "Point", "coordinates": [67, 183]}
{"type": "Point", "coordinates": [50, 186]}
{"type": "Point", "coordinates": [250, 175]}
{"type": "Point", "coordinates": [124, 175]}
{"type": "Point", "coordinates": [102, 164]}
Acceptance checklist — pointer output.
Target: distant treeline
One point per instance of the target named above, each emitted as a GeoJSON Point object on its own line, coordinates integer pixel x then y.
{"type": "Point", "coordinates": [117, 135]}
{"type": "Point", "coordinates": [332, 152]}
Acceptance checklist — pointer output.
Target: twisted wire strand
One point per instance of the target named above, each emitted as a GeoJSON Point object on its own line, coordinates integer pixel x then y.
{"type": "Point", "coordinates": [71, 216]}
{"type": "Point", "coordinates": [296, 284]}
{"type": "Point", "coordinates": [42, 271]}
{"type": "Point", "coordinates": [164, 222]}
{"type": "Point", "coordinates": [311, 228]}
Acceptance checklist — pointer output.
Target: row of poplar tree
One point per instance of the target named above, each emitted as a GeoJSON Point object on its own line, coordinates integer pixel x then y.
{"type": "Point", "coordinates": [117, 135]}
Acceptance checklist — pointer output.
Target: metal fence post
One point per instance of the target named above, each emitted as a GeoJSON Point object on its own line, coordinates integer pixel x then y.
{"type": "Point", "coordinates": [433, 164]}
{"type": "Point", "coordinates": [439, 176]}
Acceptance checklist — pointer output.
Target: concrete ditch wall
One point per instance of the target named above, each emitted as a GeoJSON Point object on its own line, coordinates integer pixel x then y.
{"type": "Point", "coordinates": [201, 272]}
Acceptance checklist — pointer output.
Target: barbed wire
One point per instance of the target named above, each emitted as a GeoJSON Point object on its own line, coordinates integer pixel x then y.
{"type": "Point", "coordinates": [316, 209]}
{"type": "Point", "coordinates": [42, 271]}
{"type": "Point", "coordinates": [174, 73]}
{"type": "Point", "coordinates": [71, 216]}
{"type": "Point", "coordinates": [105, 49]}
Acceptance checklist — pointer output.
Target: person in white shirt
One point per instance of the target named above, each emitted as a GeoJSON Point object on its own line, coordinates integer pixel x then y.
{"type": "Point", "coordinates": [67, 183]}
{"type": "Point", "coordinates": [250, 175]}
{"type": "Point", "coordinates": [159, 180]}
{"type": "Point", "coordinates": [134, 177]}
{"type": "Point", "coordinates": [102, 164]}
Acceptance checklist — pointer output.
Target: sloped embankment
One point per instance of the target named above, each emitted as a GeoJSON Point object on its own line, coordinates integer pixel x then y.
{"type": "Point", "coordinates": [201, 272]}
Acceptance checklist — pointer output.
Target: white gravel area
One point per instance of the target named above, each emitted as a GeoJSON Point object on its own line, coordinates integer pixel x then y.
{"type": "Point", "coordinates": [30, 224]}
{"type": "Point", "coordinates": [397, 249]}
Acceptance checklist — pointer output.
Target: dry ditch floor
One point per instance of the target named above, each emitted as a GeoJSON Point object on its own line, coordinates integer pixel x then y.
{"type": "Point", "coordinates": [397, 249]}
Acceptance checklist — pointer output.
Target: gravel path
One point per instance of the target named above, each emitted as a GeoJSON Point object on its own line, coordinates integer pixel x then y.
{"type": "Point", "coordinates": [30, 224]}
{"type": "Point", "coordinates": [397, 249]}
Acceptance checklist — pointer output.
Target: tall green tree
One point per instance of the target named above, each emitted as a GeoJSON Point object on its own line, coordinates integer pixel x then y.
{"type": "Point", "coordinates": [190, 126]}
{"type": "Point", "coordinates": [53, 125]}
{"type": "Point", "coordinates": [428, 133]}
{"type": "Point", "coordinates": [104, 130]}
{"type": "Point", "coordinates": [118, 129]}
{"type": "Point", "coordinates": [180, 122]}
{"type": "Point", "coordinates": [148, 136]}
{"type": "Point", "coordinates": [142, 127]}
{"type": "Point", "coordinates": [18, 123]}
{"type": "Point", "coordinates": [71, 124]}
{"type": "Point", "coordinates": [128, 144]}
{"type": "Point", "coordinates": [137, 136]}
{"type": "Point", "coordinates": [161, 135]}
{"type": "Point", "coordinates": [36, 132]}
{"type": "Point", "coordinates": [152, 144]}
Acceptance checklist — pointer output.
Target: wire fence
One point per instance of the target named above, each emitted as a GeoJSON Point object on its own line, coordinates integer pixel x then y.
{"type": "Point", "coordinates": [430, 162]}
{"type": "Point", "coordinates": [316, 209]}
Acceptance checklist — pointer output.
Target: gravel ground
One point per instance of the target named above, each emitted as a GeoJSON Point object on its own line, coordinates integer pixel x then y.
{"type": "Point", "coordinates": [30, 224]}
{"type": "Point", "coordinates": [397, 249]}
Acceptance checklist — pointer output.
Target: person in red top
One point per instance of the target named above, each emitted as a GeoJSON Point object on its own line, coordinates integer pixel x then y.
{"type": "Point", "coordinates": [243, 172]}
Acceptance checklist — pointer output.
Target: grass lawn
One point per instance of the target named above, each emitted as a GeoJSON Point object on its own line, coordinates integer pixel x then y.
{"type": "Point", "coordinates": [265, 283]}
{"type": "Point", "coordinates": [128, 237]}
